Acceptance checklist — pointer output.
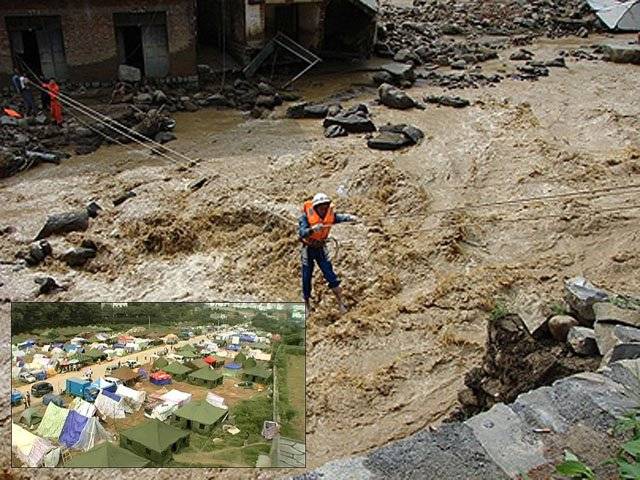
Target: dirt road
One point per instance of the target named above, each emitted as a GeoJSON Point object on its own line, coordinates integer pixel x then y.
{"type": "Point", "coordinates": [421, 284]}
{"type": "Point", "coordinates": [99, 369]}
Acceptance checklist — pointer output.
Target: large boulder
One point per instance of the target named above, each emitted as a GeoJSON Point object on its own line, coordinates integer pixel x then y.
{"type": "Point", "coordinates": [622, 53]}
{"type": "Point", "coordinates": [393, 97]}
{"type": "Point", "coordinates": [127, 73]}
{"type": "Point", "coordinates": [581, 295]}
{"type": "Point", "coordinates": [68, 222]}
{"type": "Point", "coordinates": [447, 101]}
{"type": "Point", "coordinates": [582, 340]}
{"type": "Point", "coordinates": [353, 120]}
{"type": "Point", "coordinates": [388, 141]}
{"type": "Point", "coordinates": [560, 325]}
{"type": "Point", "coordinates": [77, 257]}
{"type": "Point", "coordinates": [400, 71]}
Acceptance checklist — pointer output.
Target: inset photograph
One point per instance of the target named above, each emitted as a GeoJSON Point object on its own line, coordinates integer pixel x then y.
{"type": "Point", "coordinates": [114, 385]}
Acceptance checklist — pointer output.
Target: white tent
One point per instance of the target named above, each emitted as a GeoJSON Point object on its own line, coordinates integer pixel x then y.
{"type": "Point", "coordinates": [91, 434]}
{"type": "Point", "coordinates": [133, 399]}
{"type": "Point", "coordinates": [134, 347]}
{"type": "Point", "coordinates": [109, 407]}
{"type": "Point", "coordinates": [163, 411]}
{"type": "Point", "coordinates": [177, 397]}
{"type": "Point", "coordinates": [29, 448]}
{"type": "Point", "coordinates": [618, 15]}
{"type": "Point", "coordinates": [216, 400]}
{"type": "Point", "coordinates": [82, 407]}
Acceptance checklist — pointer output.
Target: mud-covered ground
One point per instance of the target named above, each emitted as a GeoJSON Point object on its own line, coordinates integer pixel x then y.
{"type": "Point", "coordinates": [420, 283]}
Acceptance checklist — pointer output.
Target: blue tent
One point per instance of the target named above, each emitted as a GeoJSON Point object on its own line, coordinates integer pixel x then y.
{"type": "Point", "coordinates": [142, 373]}
{"type": "Point", "coordinates": [247, 338]}
{"type": "Point", "coordinates": [73, 426]}
{"type": "Point", "coordinates": [111, 395]}
{"type": "Point", "coordinates": [68, 347]}
{"type": "Point", "coordinates": [119, 345]}
{"type": "Point", "coordinates": [235, 348]}
{"type": "Point", "coordinates": [233, 366]}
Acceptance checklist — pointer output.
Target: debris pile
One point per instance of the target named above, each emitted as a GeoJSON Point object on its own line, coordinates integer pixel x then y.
{"type": "Point", "coordinates": [598, 328]}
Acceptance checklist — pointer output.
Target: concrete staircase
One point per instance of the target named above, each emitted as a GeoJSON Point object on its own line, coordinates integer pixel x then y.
{"type": "Point", "coordinates": [576, 412]}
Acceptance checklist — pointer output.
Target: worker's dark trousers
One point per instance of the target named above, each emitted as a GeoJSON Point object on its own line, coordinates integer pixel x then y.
{"type": "Point", "coordinates": [309, 256]}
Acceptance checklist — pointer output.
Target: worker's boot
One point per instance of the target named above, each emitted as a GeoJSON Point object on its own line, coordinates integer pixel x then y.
{"type": "Point", "coordinates": [338, 293]}
{"type": "Point", "coordinates": [307, 306]}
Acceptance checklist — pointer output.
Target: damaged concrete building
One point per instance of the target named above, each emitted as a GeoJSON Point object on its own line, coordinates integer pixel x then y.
{"type": "Point", "coordinates": [88, 40]}
{"type": "Point", "coordinates": [330, 28]}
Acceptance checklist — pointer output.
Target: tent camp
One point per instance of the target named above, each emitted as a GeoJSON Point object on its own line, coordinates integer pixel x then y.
{"type": "Point", "coordinates": [107, 455]}
{"type": "Point", "coordinates": [206, 377]}
{"type": "Point", "coordinates": [177, 371]}
{"type": "Point", "coordinates": [257, 374]}
{"type": "Point", "coordinates": [616, 15]}
{"type": "Point", "coordinates": [53, 421]}
{"type": "Point", "coordinates": [133, 399]}
{"type": "Point", "coordinates": [103, 385]}
{"type": "Point", "coordinates": [30, 449]}
{"type": "Point", "coordinates": [110, 405]}
{"type": "Point", "coordinates": [177, 397]}
{"type": "Point", "coordinates": [160, 362]}
{"type": "Point", "coordinates": [73, 426]}
{"type": "Point", "coordinates": [154, 440]}
{"type": "Point", "coordinates": [200, 416]}
{"type": "Point", "coordinates": [160, 378]}
{"type": "Point", "coordinates": [82, 433]}
{"type": "Point", "coordinates": [125, 374]}
{"type": "Point", "coordinates": [32, 417]}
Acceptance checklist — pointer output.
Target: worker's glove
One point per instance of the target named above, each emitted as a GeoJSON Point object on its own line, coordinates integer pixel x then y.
{"type": "Point", "coordinates": [352, 218]}
{"type": "Point", "coordinates": [317, 228]}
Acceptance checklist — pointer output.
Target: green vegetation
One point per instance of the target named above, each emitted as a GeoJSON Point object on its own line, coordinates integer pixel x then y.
{"type": "Point", "coordinates": [289, 362]}
{"type": "Point", "coordinates": [250, 414]}
{"type": "Point", "coordinates": [559, 309]}
{"type": "Point", "coordinates": [499, 310]}
{"type": "Point", "coordinates": [627, 460]}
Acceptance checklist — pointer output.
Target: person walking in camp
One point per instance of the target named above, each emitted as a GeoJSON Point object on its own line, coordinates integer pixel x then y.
{"type": "Point", "coordinates": [314, 226]}
{"type": "Point", "coordinates": [54, 102]}
{"type": "Point", "coordinates": [27, 399]}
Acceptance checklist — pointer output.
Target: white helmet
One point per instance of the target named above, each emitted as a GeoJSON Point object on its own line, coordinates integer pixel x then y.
{"type": "Point", "coordinates": [319, 199]}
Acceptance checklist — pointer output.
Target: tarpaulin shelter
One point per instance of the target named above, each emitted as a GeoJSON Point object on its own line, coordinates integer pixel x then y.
{"type": "Point", "coordinates": [72, 429]}
{"type": "Point", "coordinates": [110, 405]}
{"type": "Point", "coordinates": [216, 400]}
{"type": "Point", "coordinates": [133, 399]}
{"type": "Point", "coordinates": [32, 416]}
{"type": "Point", "coordinates": [29, 448]}
{"type": "Point", "coordinates": [108, 455]}
{"type": "Point", "coordinates": [618, 15]}
{"type": "Point", "coordinates": [92, 434]}
{"type": "Point", "coordinates": [160, 378]}
{"type": "Point", "coordinates": [206, 377]}
{"type": "Point", "coordinates": [177, 397]}
{"type": "Point", "coordinates": [53, 398]}
{"type": "Point", "coordinates": [160, 362]}
{"type": "Point", "coordinates": [103, 385]}
{"type": "Point", "coordinates": [200, 416]}
{"type": "Point", "coordinates": [52, 421]}
{"type": "Point", "coordinates": [233, 366]}
{"type": "Point", "coordinates": [257, 374]}
{"type": "Point", "coordinates": [154, 440]}
{"type": "Point", "coordinates": [177, 370]}
{"type": "Point", "coordinates": [83, 407]}
{"type": "Point", "coordinates": [125, 374]}
{"type": "Point", "coordinates": [210, 360]}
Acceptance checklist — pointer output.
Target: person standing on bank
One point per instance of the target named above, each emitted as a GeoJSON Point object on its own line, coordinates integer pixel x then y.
{"type": "Point", "coordinates": [314, 226]}
{"type": "Point", "coordinates": [27, 96]}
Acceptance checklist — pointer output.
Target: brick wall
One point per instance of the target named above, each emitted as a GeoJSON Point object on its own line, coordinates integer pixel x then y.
{"type": "Point", "coordinates": [89, 33]}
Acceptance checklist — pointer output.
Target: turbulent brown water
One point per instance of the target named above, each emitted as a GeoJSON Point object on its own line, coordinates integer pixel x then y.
{"type": "Point", "coordinates": [421, 284]}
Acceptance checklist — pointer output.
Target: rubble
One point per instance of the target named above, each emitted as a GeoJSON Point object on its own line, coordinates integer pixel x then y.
{"type": "Point", "coordinates": [622, 53]}
{"type": "Point", "coordinates": [123, 198]}
{"type": "Point", "coordinates": [581, 295]}
{"type": "Point", "coordinates": [560, 325]}
{"type": "Point", "coordinates": [69, 222]}
{"type": "Point", "coordinates": [447, 101]}
{"type": "Point", "coordinates": [393, 97]}
{"type": "Point", "coordinates": [47, 285]}
{"type": "Point", "coordinates": [77, 257]}
{"type": "Point", "coordinates": [394, 137]}
{"type": "Point", "coordinates": [353, 120]}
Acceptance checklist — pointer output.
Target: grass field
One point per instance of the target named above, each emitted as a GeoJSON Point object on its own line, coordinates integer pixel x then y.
{"type": "Point", "coordinates": [296, 391]}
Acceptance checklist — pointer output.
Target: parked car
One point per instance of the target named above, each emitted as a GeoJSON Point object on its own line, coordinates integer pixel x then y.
{"type": "Point", "coordinates": [115, 380]}
{"type": "Point", "coordinates": [26, 377]}
{"type": "Point", "coordinates": [16, 397]}
{"type": "Point", "coordinates": [41, 388]}
{"type": "Point", "coordinates": [110, 369]}
{"type": "Point", "coordinates": [132, 363]}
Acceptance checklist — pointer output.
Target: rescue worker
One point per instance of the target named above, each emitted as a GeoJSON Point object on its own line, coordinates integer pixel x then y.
{"type": "Point", "coordinates": [314, 226]}
{"type": "Point", "coordinates": [54, 104]}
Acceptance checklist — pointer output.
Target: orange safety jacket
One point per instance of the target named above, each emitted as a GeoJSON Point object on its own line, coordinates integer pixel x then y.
{"type": "Point", "coordinates": [314, 219]}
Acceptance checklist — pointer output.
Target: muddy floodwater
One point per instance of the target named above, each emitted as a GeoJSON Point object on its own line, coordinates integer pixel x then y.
{"type": "Point", "coordinates": [421, 282]}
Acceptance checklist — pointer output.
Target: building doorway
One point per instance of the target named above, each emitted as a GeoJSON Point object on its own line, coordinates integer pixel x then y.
{"type": "Point", "coordinates": [143, 42]}
{"type": "Point", "coordinates": [132, 45]}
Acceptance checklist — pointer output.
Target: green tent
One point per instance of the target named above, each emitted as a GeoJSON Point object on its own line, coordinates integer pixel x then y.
{"type": "Point", "coordinates": [154, 440]}
{"type": "Point", "coordinates": [257, 374]}
{"type": "Point", "coordinates": [160, 362]}
{"type": "Point", "coordinates": [189, 354]}
{"type": "Point", "coordinates": [96, 354]}
{"type": "Point", "coordinates": [197, 363]}
{"type": "Point", "coordinates": [200, 416]}
{"type": "Point", "coordinates": [206, 377]}
{"type": "Point", "coordinates": [249, 363]}
{"type": "Point", "coordinates": [177, 371]}
{"type": "Point", "coordinates": [188, 348]}
{"type": "Point", "coordinates": [31, 416]}
{"type": "Point", "coordinates": [52, 421]}
{"type": "Point", "coordinates": [239, 358]}
{"type": "Point", "coordinates": [107, 455]}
